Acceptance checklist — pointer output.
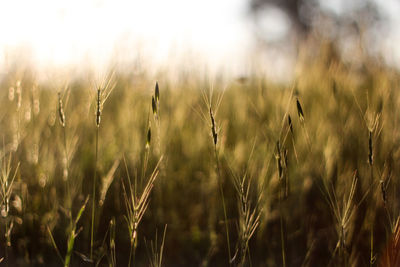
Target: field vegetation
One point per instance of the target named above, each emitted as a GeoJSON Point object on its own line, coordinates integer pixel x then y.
{"type": "Point", "coordinates": [202, 170]}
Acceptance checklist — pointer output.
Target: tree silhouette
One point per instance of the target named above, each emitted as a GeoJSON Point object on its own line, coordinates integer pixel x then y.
{"type": "Point", "coordinates": [306, 15]}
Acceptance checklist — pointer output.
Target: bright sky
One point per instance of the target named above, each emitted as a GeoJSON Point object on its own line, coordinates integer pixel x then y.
{"type": "Point", "coordinates": [71, 31]}
{"type": "Point", "coordinates": [213, 33]}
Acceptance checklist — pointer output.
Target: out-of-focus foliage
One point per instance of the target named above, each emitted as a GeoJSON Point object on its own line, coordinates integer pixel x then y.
{"type": "Point", "coordinates": [307, 16]}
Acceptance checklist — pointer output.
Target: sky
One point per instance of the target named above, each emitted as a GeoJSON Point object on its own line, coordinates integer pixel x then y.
{"type": "Point", "coordinates": [69, 32]}
{"type": "Point", "coordinates": [60, 33]}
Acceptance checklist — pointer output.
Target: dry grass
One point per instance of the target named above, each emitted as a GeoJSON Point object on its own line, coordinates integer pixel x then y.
{"type": "Point", "coordinates": [288, 190]}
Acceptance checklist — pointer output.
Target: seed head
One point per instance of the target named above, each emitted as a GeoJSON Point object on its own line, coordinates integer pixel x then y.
{"type": "Point", "coordinates": [61, 114]}
{"type": "Point", "coordinates": [290, 124]}
{"type": "Point", "coordinates": [157, 93]}
{"type": "Point", "coordinates": [213, 128]}
{"type": "Point", "coordinates": [98, 113]}
{"type": "Point", "coordinates": [285, 157]}
{"type": "Point", "coordinates": [154, 106]}
{"type": "Point", "coordinates": [300, 110]}
{"type": "Point", "coordinates": [148, 139]}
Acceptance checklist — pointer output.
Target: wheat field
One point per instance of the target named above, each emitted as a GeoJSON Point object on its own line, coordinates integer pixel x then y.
{"type": "Point", "coordinates": [202, 170]}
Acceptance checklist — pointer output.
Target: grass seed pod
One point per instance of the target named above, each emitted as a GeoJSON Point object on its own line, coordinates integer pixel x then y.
{"type": "Point", "coordinates": [148, 138]}
{"type": "Point", "coordinates": [213, 128]}
{"type": "Point", "coordinates": [278, 159]}
{"type": "Point", "coordinates": [154, 106]}
{"type": "Point", "coordinates": [98, 113]}
{"type": "Point", "coordinates": [299, 110]}
{"type": "Point", "coordinates": [290, 124]}
{"type": "Point", "coordinates": [157, 93]}
{"type": "Point", "coordinates": [61, 113]}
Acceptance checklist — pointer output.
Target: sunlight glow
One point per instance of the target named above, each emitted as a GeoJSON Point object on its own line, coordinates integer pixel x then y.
{"type": "Point", "coordinates": [69, 32]}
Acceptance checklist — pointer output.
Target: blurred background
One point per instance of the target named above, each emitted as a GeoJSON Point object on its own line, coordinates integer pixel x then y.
{"type": "Point", "coordinates": [296, 96]}
{"type": "Point", "coordinates": [234, 36]}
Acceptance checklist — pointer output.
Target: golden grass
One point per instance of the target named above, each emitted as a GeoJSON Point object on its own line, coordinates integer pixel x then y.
{"type": "Point", "coordinates": [309, 210]}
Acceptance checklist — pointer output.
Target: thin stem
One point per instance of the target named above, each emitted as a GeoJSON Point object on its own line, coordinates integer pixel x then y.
{"type": "Point", "coordinates": [69, 199]}
{"type": "Point", "coordinates": [249, 255]}
{"type": "Point", "coordinates": [6, 247]}
{"type": "Point", "coordinates": [94, 195]}
{"type": "Point", "coordinates": [67, 175]}
{"type": "Point", "coordinates": [371, 260]}
{"type": "Point", "coordinates": [223, 203]}
{"type": "Point", "coordinates": [144, 169]}
{"type": "Point", "coordinates": [130, 255]}
{"type": "Point", "coordinates": [389, 219]}
{"type": "Point", "coordinates": [282, 233]}
{"type": "Point", "coordinates": [134, 255]}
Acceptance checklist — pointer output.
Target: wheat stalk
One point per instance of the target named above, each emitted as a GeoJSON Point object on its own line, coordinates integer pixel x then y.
{"type": "Point", "coordinates": [136, 206]}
